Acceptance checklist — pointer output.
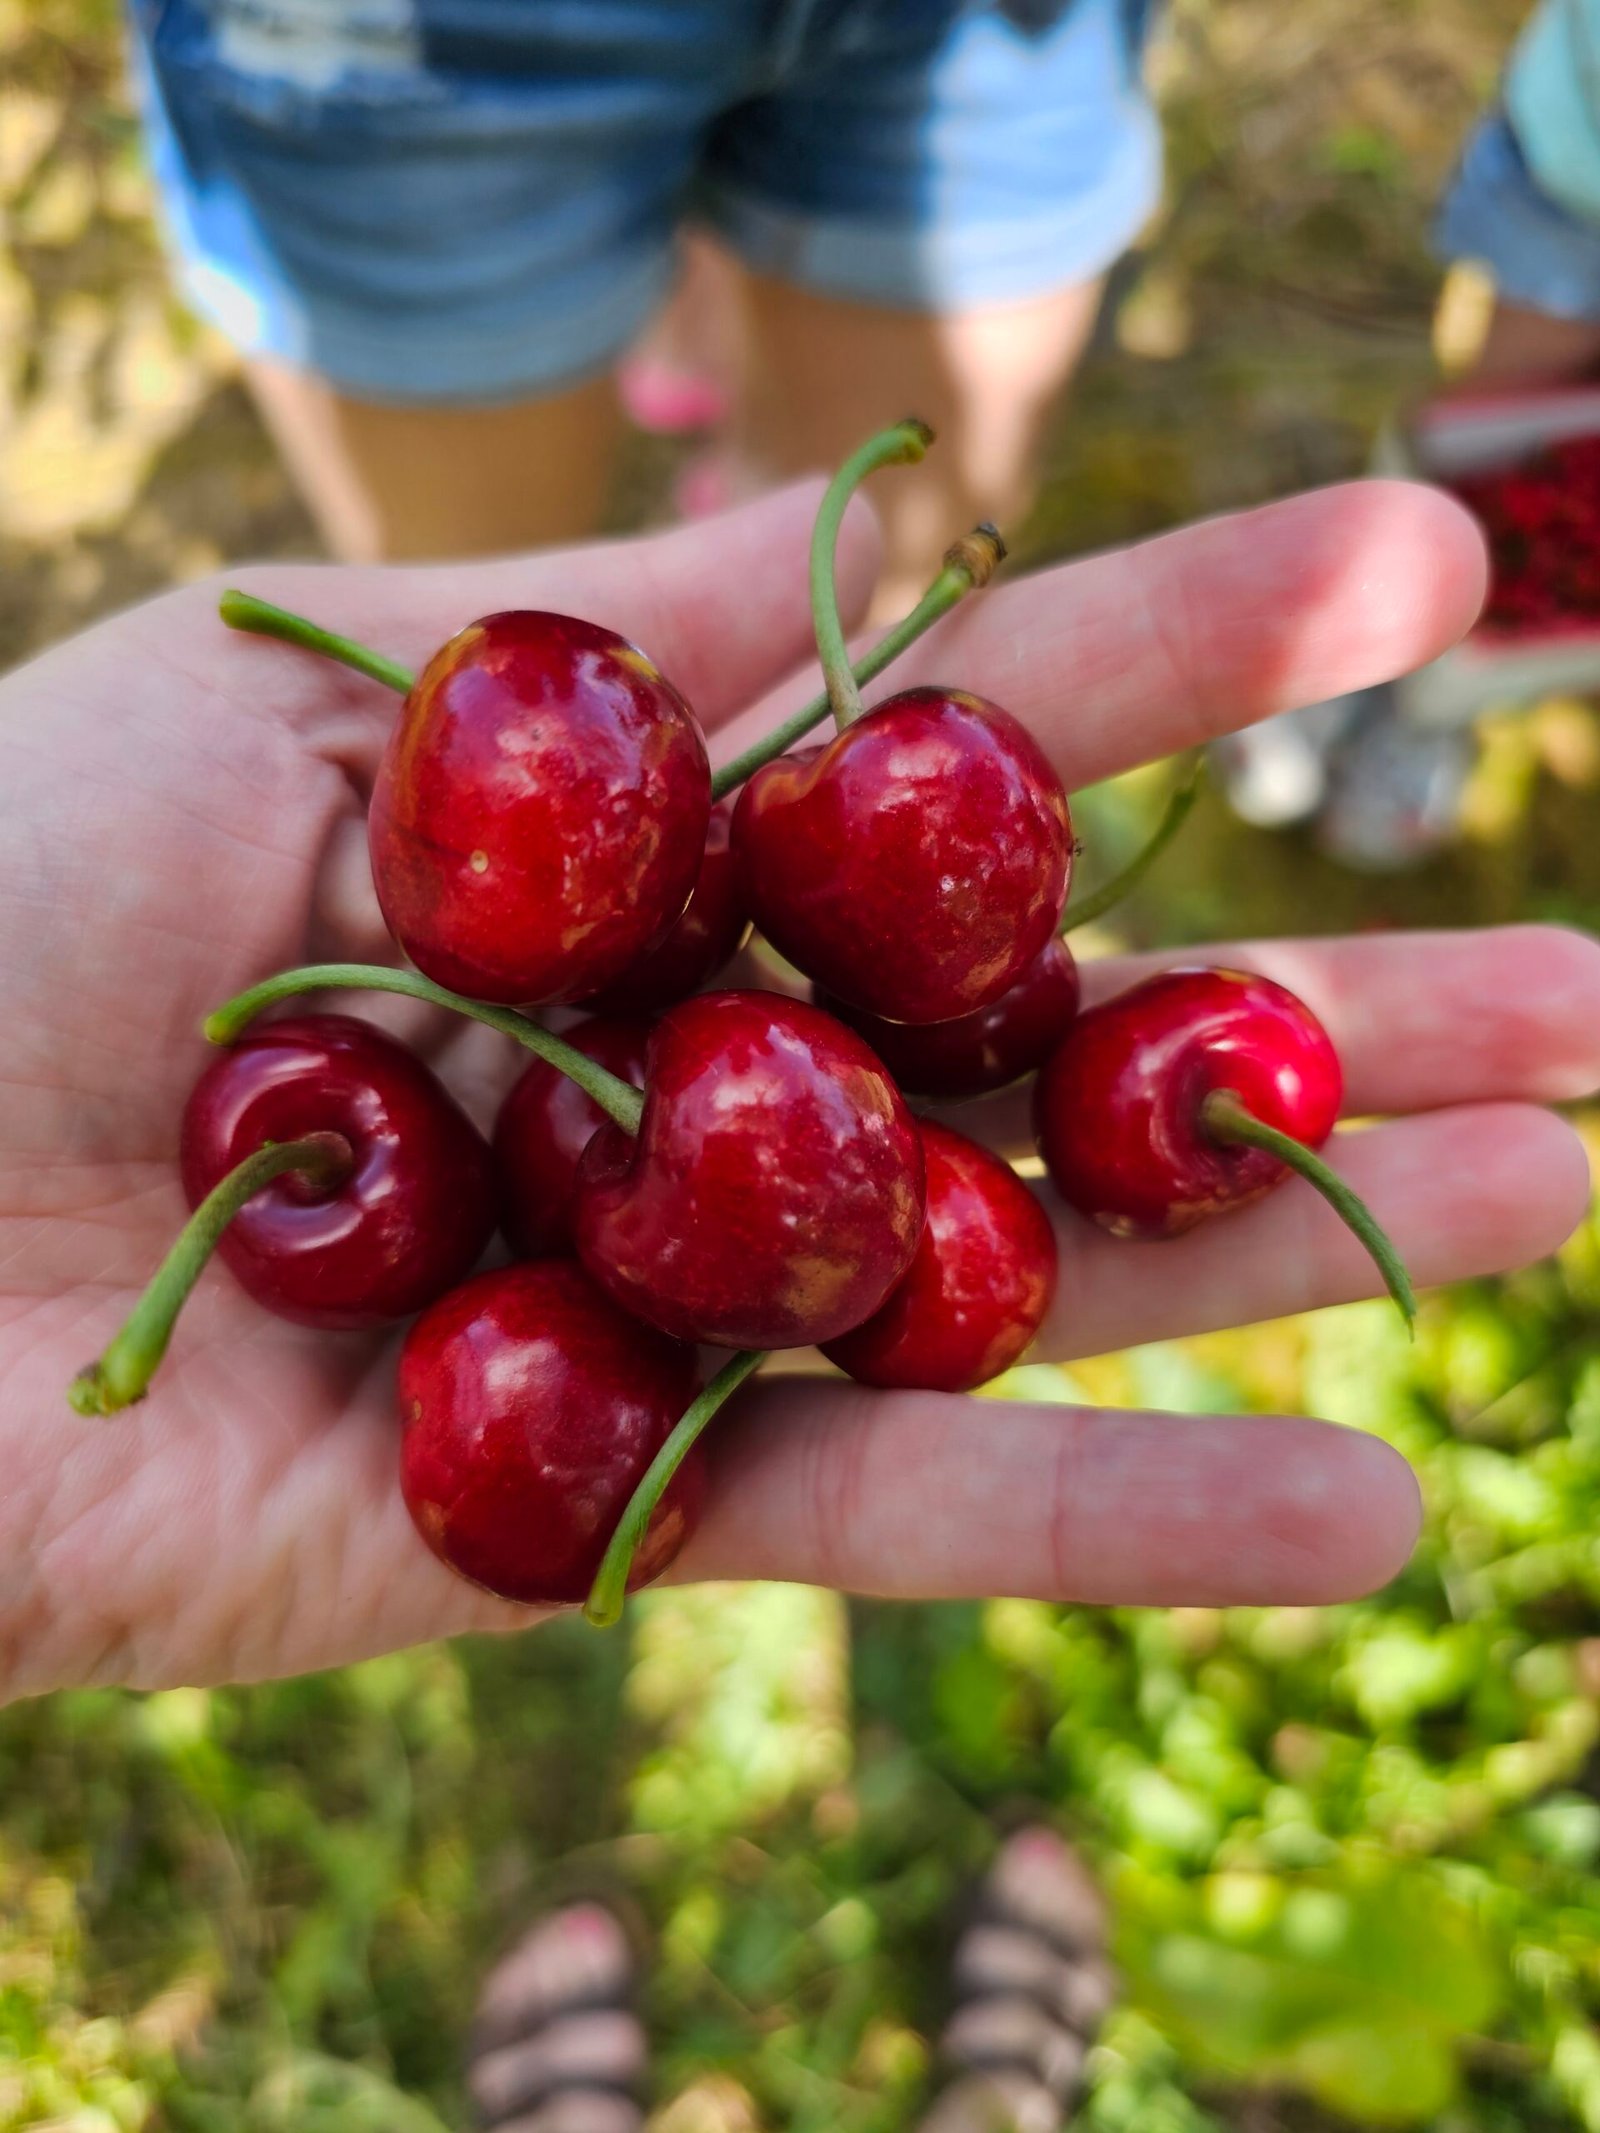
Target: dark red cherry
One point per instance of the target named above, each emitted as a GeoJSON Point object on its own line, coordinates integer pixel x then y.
{"type": "Point", "coordinates": [703, 939]}
{"type": "Point", "coordinates": [774, 1195]}
{"type": "Point", "coordinates": [544, 1126]}
{"type": "Point", "coordinates": [1118, 1109]}
{"type": "Point", "coordinates": [532, 1408]}
{"type": "Point", "coordinates": [984, 1051]}
{"type": "Point", "coordinates": [917, 864]}
{"type": "Point", "coordinates": [540, 814]}
{"type": "Point", "coordinates": [979, 1286]}
{"type": "Point", "coordinates": [412, 1216]}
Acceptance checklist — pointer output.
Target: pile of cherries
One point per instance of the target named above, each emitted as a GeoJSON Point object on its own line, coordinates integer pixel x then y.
{"type": "Point", "coordinates": [1542, 519]}
{"type": "Point", "coordinates": [740, 1169]}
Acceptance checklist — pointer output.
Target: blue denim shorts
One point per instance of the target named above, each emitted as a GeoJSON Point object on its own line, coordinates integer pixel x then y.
{"type": "Point", "coordinates": [1539, 253]}
{"type": "Point", "coordinates": [475, 200]}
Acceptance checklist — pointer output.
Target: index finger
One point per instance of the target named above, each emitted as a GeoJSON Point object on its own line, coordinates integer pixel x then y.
{"type": "Point", "coordinates": [1122, 657]}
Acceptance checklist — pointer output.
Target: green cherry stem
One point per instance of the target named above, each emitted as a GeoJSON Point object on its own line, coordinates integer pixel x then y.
{"type": "Point", "coordinates": [123, 1373]}
{"type": "Point", "coordinates": [968, 565]}
{"type": "Point", "coordinates": [614, 1096]}
{"type": "Point", "coordinates": [610, 1588]}
{"type": "Point", "coordinates": [902, 445]}
{"type": "Point", "coordinates": [1228, 1122]}
{"type": "Point", "coordinates": [1173, 816]}
{"type": "Point", "coordinates": [243, 611]}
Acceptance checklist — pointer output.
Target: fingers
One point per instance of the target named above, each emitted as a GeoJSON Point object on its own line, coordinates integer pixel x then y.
{"type": "Point", "coordinates": [919, 1496]}
{"type": "Point", "coordinates": [1426, 1019]}
{"type": "Point", "coordinates": [1420, 1020]}
{"type": "Point", "coordinates": [1123, 657]}
{"type": "Point", "coordinates": [720, 605]}
{"type": "Point", "coordinates": [1463, 1193]}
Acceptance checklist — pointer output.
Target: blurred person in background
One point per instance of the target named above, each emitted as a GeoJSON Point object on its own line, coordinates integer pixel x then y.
{"type": "Point", "coordinates": [434, 229]}
{"type": "Point", "coordinates": [1523, 207]}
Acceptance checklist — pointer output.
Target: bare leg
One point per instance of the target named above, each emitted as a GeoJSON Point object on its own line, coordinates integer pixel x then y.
{"type": "Point", "coordinates": [823, 374]}
{"type": "Point", "coordinates": [407, 483]}
{"type": "Point", "coordinates": [684, 372]}
{"type": "Point", "coordinates": [1525, 347]}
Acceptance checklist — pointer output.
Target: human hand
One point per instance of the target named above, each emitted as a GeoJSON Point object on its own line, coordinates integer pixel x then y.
{"type": "Point", "coordinates": [181, 812]}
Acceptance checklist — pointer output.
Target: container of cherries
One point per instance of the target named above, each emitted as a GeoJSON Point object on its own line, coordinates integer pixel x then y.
{"type": "Point", "coordinates": [682, 1166]}
{"type": "Point", "coordinates": [1527, 465]}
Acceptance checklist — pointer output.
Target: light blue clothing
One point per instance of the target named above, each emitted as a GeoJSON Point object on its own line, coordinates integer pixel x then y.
{"type": "Point", "coordinates": [1526, 198]}
{"type": "Point", "coordinates": [1539, 253]}
{"type": "Point", "coordinates": [476, 200]}
{"type": "Point", "coordinates": [1553, 102]}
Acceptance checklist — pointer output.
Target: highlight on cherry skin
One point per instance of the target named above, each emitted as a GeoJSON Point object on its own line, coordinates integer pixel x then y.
{"type": "Point", "coordinates": [531, 1408]}
{"type": "Point", "coordinates": [774, 1192]}
{"type": "Point", "coordinates": [540, 814]}
{"type": "Point", "coordinates": [916, 865]}
{"type": "Point", "coordinates": [1197, 1091]}
{"type": "Point", "coordinates": [977, 1290]}
{"type": "Point", "coordinates": [335, 1177]}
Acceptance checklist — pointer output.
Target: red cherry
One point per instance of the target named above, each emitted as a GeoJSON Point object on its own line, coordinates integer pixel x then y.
{"type": "Point", "coordinates": [984, 1051]}
{"type": "Point", "coordinates": [410, 1219]}
{"type": "Point", "coordinates": [540, 813]}
{"type": "Point", "coordinates": [532, 1409]}
{"type": "Point", "coordinates": [1118, 1110]}
{"type": "Point", "coordinates": [544, 1126]}
{"type": "Point", "coordinates": [704, 938]}
{"type": "Point", "coordinates": [915, 865]}
{"type": "Point", "coordinates": [774, 1195]}
{"type": "Point", "coordinates": [979, 1286]}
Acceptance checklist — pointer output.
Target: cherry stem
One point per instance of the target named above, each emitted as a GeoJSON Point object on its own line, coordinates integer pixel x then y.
{"type": "Point", "coordinates": [610, 1588]}
{"type": "Point", "coordinates": [902, 445]}
{"type": "Point", "coordinates": [617, 1098]}
{"type": "Point", "coordinates": [1173, 816]}
{"type": "Point", "coordinates": [123, 1373]}
{"type": "Point", "coordinates": [968, 566]}
{"type": "Point", "coordinates": [1226, 1119]}
{"type": "Point", "coordinates": [243, 611]}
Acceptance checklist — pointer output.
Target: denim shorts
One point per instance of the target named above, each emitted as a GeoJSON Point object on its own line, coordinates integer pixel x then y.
{"type": "Point", "coordinates": [1539, 253]}
{"type": "Point", "coordinates": [474, 200]}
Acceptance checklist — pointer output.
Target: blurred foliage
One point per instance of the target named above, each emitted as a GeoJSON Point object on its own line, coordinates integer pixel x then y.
{"type": "Point", "coordinates": [1355, 1853]}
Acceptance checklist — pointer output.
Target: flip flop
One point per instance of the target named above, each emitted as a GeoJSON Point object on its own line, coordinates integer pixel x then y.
{"type": "Point", "coordinates": [556, 2045]}
{"type": "Point", "coordinates": [1031, 1985]}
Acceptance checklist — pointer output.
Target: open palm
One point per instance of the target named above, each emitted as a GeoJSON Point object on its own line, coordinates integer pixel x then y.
{"type": "Point", "coordinates": [181, 812]}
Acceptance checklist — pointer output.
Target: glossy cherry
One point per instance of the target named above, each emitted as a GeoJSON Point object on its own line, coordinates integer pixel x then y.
{"type": "Point", "coordinates": [977, 1053]}
{"type": "Point", "coordinates": [540, 813]}
{"type": "Point", "coordinates": [412, 1216]}
{"type": "Point", "coordinates": [703, 938]}
{"type": "Point", "coordinates": [978, 1289]}
{"type": "Point", "coordinates": [1118, 1110]}
{"type": "Point", "coordinates": [532, 1408]}
{"type": "Point", "coordinates": [774, 1194]}
{"type": "Point", "coordinates": [544, 1126]}
{"type": "Point", "coordinates": [916, 864]}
